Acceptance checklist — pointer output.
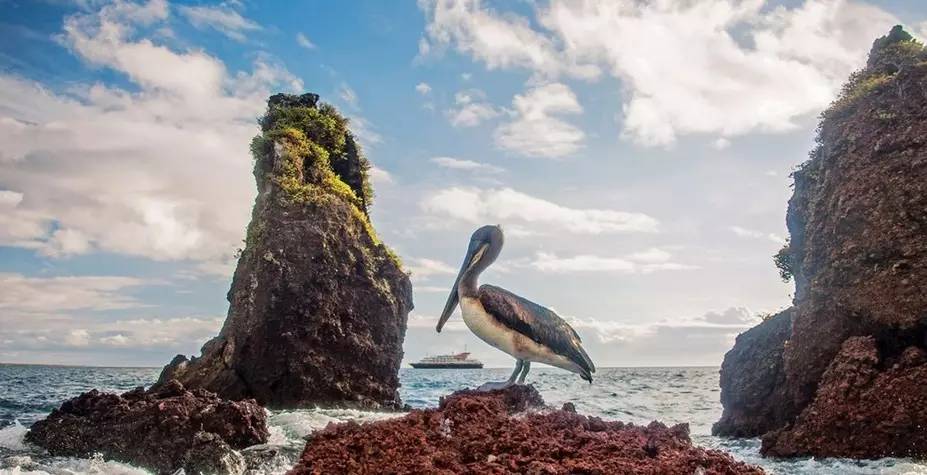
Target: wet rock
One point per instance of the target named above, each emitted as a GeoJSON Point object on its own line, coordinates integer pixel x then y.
{"type": "Point", "coordinates": [318, 305]}
{"type": "Point", "coordinates": [507, 431]}
{"type": "Point", "coordinates": [752, 376]}
{"type": "Point", "coordinates": [163, 430]}
{"type": "Point", "coordinates": [860, 410]}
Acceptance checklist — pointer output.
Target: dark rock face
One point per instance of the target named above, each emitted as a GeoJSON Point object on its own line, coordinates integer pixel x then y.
{"type": "Point", "coordinates": [479, 432]}
{"type": "Point", "coordinates": [752, 376]}
{"type": "Point", "coordinates": [162, 430]}
{"type": "Point", "coordinates": [318, 305]}
{"type": "Point", "coordinates": [858, 252]}
{"type": "Point", "coordinates": [861, 410]}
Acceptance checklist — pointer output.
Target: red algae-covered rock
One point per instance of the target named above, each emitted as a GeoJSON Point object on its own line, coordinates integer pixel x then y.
{"type": "Point", "coordinates": [508, 431]}
{"type": "Point", "coordinates": [861, 411]}
{"type": "Point", "coordinates": [858, 253]}
{"type": "Point", "coordinates": [163, 430]}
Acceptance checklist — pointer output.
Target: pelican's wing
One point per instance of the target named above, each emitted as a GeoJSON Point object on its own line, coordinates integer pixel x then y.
{"type": "Point", "coordinates": [539, 323]}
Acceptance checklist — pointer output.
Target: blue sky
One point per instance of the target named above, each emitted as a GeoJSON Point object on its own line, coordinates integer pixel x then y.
{"type": "Point", "coordinates": [636, 155]}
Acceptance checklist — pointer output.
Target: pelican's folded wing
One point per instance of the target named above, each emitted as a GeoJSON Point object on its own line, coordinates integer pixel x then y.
{"type": "Point", "coordinates": [534, 321]}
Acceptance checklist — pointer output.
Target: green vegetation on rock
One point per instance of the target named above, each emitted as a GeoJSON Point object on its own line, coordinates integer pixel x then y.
{"type": "Point", "coordinates": [307, 150]}
{"type": "Point", "coordinates": [890, 54]}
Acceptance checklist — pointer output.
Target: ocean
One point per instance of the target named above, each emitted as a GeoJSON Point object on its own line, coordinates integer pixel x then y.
{"type": "Point", "coordinates": [638, 395]}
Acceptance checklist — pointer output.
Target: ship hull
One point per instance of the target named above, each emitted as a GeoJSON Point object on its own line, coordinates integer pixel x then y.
{"type": "Point", "coordinates": [447, 365]}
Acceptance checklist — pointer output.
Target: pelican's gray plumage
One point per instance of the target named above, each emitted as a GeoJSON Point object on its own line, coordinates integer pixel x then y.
{"type": "Point", "coordinates": [527, 331]}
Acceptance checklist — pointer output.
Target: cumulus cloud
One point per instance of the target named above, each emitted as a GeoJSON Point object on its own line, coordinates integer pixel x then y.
{"type": "Point", "coordinates": [535, 131]}
{"type": "Point", "coordinates": [46, 296]}
{"type": "Point", "coordinates": [717, 67]}
{"type": "Point", "coordinates": [505, 205]}
{"type": "Point", "coordinates": [423, 88]}
{"type": "Point", "coordinates": [423, 269]}
{"type": "Point", "coordinates": [754, 234]}
{"type": "Point", "coordinates": [159, 170]}
{"type": "Point", "coordinates": [645, 262]}
{"type": "Point", "coordinates": [40, 316]}
{"type": "Point", "coordinates": [466, 165]}
{"type": "Point", "coordinates": [221, 18]}
{"type": "Point", "coordinates": [470, 109]}
{"type": "Point", "coordinates": [304, 41]}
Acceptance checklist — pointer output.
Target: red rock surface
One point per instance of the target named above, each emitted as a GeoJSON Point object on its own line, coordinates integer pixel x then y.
{"type": "Point", "coordinates": [858, 252]}
{"type": "Point", "coordinates": [861, 410]}
{"type": "Point", "coordinates": [478, 432]}
{"type": "Point", "coordinates": [162, 430]}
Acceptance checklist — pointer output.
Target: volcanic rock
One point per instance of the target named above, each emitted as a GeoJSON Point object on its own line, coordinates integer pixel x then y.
{"type": "Point", "coordinates": [163, 430]}
{"type": "Point", "coordinates": [507, 431]}
{"type": "Point", "coordinates": [751, 376]}
{"type": "Point", "coordinates": [858, 254]}
{"type": "Point", "coordinates": [861, 410]}
{"type": "Point", "coordinates": [318, 305]}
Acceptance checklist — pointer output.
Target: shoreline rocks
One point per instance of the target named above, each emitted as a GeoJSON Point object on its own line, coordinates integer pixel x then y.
{"type": "Point", "coordinates": [858, 253]}
{"type": "Point", "coordinates": [508, 431]}
{"type": "Point", "coordinates": [318, 304]}
{"type": "Point", "coordinates": [163, 430]}
{"type": "Point", "coordinates": [752, 374]}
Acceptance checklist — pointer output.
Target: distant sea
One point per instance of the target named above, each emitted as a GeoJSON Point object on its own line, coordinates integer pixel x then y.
{"type": "Point", "coordinates": [638, 395]}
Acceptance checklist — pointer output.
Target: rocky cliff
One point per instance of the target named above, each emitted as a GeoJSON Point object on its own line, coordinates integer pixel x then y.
{"type": "Point", "coordinates": [164, 430]}
{"type": "Point", "coordinates": [508, 431]}
{"type": "Point", "coordinates": [318, 305]}
{"type": "Point", "coordinates": [858, 253]}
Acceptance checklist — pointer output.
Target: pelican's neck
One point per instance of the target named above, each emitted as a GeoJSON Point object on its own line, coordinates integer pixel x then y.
{"type": "Point", "coordinates": [469, 285]}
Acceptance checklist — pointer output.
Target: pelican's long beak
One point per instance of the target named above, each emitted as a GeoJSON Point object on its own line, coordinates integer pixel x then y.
{"type": "Point", "coordinates": [474, 253]}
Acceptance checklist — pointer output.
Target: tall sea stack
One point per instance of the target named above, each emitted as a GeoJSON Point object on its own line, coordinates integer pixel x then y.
{"type": "Point", "coordinates": [850, 378]}
{"type": "Point", "coordinates": [318, 304]}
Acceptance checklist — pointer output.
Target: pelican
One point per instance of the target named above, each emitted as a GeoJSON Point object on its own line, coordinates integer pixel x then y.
{"type": "Point", "coordinates": [523, 329]}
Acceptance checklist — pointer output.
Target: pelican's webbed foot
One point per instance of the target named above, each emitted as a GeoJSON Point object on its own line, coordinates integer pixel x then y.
{"type": "Point", "coordinates": [519, 365]}
{"type": "Point", "coordinates": [492, 386]}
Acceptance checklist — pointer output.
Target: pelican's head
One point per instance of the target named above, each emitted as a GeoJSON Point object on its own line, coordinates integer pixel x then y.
{"type": "Point", "coordinates": [485, 244]}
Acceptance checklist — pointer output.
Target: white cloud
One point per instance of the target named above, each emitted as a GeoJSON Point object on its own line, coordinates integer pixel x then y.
{"type": "Point", "coordinates": [653, 255]}
{"type": "Point", "coordinates": [423, 88]}
{"type": "Point", "coordinates": [303, 41]}
{"type": "Point", "coordinates": [380, 176]}
{"type": "Point", "coordinates": [467, 165]}
{"type": "Point", "coordinates": [754, 234]}
{"type": "Point", "coordinates": [535, 131]}
{"type": "Point", "coordinates": [161, 172]}
{"type": "Point", "coordinates": [423, 269]}
{"type": "Point", "coordinates": [347, 95]}
{"type": "Point", "coordinates": [720, 67]}
{"type": "Point", "coordinates": [470, 109]}
{"type": "Point", "coordinates": [505, 205]}
{"type": "Point", "coordinates": [10, 199]}
{"type": "Point", "coordinates": [221, 18]}
{"type": "Point", "coordinates": [646, 262]}
{"type": "Point", "coordinates": [22, 295]}
{"type": "Point", "coordinates": [500, 41]}
{"type": "Point", "coordinates": [721, 143]}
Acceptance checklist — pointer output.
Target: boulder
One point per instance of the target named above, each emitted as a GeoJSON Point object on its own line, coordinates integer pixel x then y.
{"type": "Point", "coordinates": [861, 410]}
{"type": "Point", "coordinates": [508, 431]}
{"type": "Point", "coordinates": [163, 430]}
